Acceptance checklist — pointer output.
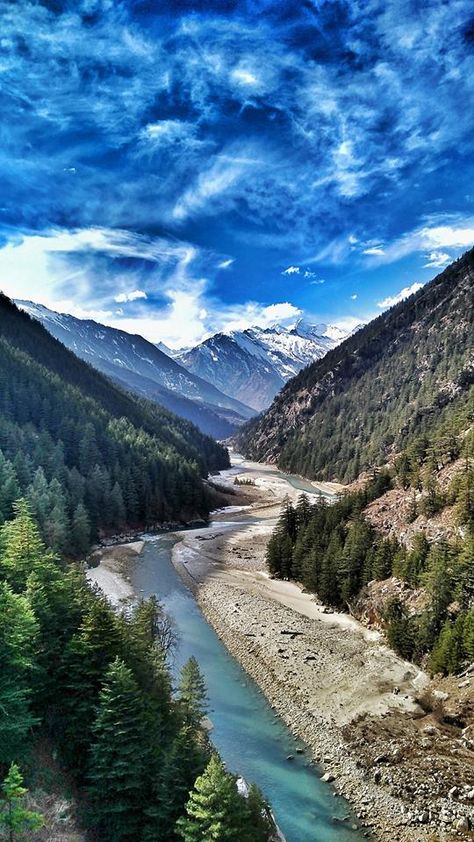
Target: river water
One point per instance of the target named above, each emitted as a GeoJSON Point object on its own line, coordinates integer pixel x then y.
{"type": "Point", "coordinates": [252, 741]}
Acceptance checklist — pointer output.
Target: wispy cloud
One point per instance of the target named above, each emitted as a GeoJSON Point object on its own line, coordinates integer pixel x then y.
{"type": "Point", "coordinates": [391, 300]}
{"type": "Point", "coordinates": [134, 295]}
{"type": "Point", "coordinates": [454, 233]}
{"type": "Point", "coordinates": [291, 270]}
{"type": "Point", "coordinates": [437, 259]}
{"type": "Point", "coordinates": [303, 131]}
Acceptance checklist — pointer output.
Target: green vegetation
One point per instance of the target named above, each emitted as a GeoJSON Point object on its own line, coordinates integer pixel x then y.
{"type": "Point", "coordinates": [90, 458]}
{"type": "Point", "coordinates": [215, 811]}
{"type": "Point", "coordinates": [333, 551]}
{"type": "Point", "coordinates": [398, 378]}
{"type": "Point", "coordinates": [15, 818]}
{"type": "Point", "coordinates": [95, 682]}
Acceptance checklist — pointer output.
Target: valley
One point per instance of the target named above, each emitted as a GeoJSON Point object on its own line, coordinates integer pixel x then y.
{"type": "Point", "coordinates": [361, 711]}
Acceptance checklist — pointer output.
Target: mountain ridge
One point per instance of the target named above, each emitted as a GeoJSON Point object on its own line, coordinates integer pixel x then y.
{"type": "Point", "coordinates": [389, 381]}
{"type": "Point", "coordinates": [143, 368]}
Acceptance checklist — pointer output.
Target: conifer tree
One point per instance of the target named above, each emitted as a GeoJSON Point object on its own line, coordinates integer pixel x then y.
{"type": "Point", "coordinates": [18, 634]}
{"type": "Point", "coordinates": [192, 693]}
{"type": "Point", "coordinates": [215, 811]}
{"type": "Point", "coordinates": [184, 760]}
{"type": "Point", "coordinates": [14, 816]}
{"type": "Point", "coordinates": [120, 756]}
{"type": "Point", "coordinates": [22, 547]}
{"type": "Point", "coordinates": [81, 530]}
{"type": "Point", "coordinates": [86, 658]}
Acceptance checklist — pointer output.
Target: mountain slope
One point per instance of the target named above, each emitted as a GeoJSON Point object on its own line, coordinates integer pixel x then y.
{"type": "Point", "coordinates": [372, 394]}
{"type": "Point", "coordinates": [89, 457]}
{"type": "Point", "coordinates": [254, 364]}
{"type": "Point", "coordinates": [142, 367]}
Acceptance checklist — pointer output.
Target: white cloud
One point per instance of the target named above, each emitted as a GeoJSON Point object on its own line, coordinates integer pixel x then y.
{"type": "Point", "coordinates": [225, 264]}
{"type": "Point", "coordinates": [215, 181]}
{"type": "Point", "coordinates": [124, 297]}
{"type": "Point", "coordinates": [244, 77]}
{"type": "Point", "coordinates": [59, 269]}
{"type": "Point", "coordinates": [391, 300]}
{"type": "Point", "coordinates": [252, 313]}
{"type": "Point", "coordinates": [455, 234]}
{"type": "Point", "coordinates": [354, 296]}
{"type": "Point", "coordinates": [436, 259]}
{"type": "Point", "coordinates": [374, 250]}
{"type": "Point", "coordinates": [317, 282]}
{"type": "Point", "coordinates": [291, 270]}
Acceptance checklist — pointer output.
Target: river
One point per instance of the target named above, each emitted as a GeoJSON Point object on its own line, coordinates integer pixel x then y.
{"type": "Point", "coordinates": [250, 738]}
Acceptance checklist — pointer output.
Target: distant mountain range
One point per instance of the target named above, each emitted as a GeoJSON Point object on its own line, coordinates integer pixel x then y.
{"type": "Point", "coordinates": [141, 367]}
{"type": "Point", "coordinates": [218, 385]}
{"type": "Point", "coordinates": [254, 364]}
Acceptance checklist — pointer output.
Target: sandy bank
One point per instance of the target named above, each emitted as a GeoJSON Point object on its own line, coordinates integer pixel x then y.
{"type": "Point", "coordinates": [110, 570]}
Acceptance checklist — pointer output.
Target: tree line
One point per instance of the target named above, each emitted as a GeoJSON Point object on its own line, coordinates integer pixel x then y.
{"type": "Point", "coordinates": [96, 683]}
{"type": "Point", "coordinates": [334, 552]}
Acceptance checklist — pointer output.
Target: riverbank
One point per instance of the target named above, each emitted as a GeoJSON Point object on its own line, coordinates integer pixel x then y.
{"type": "Point", "coordinates": [355, 705]}
{"type": "Point", "coordinates": [350, 699]}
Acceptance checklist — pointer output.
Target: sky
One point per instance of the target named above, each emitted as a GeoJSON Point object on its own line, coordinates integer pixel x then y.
{"type": "Point", "coordinates": [179, 168]}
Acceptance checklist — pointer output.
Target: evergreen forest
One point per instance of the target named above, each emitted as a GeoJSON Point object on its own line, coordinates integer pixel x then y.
{"type": "Point", "coordinates": [90, 458]}
{"type": "Point", "coordinates": [335, 552]}
{"type": "Point", "coordinates": [94, 683]}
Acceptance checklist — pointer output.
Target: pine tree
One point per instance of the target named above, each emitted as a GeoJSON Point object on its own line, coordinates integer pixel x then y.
{"type": "Point", "coordinates": [86, 659]}
{"type": "Point", "coordinates": [81, 531]}
{"type": "Point", "coordinates": [185, 758]}
{"type": "Point", "coordinates": [22, 547]}
{"type": "Point", "coordinates": [119, 757]}
{"type": "Point", "coordinates": [18, 634]}
{"type": "Point", "coordinates": [215, 811]}
{"type": "Point", "coordinates": [192, 693]}
{"type": "Point", "coordinates": [14, 816]}
{"type": "Point", "coordinates": [259, 824]}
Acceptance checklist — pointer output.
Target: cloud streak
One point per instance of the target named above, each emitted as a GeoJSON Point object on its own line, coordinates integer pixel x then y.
{"type": "Point", "coordinates": [391, 300]}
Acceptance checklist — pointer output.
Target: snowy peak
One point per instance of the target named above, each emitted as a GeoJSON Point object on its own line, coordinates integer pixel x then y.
{"type": "Point", "coordinates": [254, 364]}
{"type": "Point", "coordinates": [144, 368]}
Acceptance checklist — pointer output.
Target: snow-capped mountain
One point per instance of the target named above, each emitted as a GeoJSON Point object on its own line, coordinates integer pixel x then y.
{"type": "Point", "coordinates": [143, 368]}
{"type": "Point", "coordinates": [254, 364]}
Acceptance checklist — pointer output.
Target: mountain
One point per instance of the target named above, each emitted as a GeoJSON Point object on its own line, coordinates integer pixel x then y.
{"type": "Point", "coordinates": [89, 457]}
{"type": "Point", "coordinates": [254, 364]}
{"type": "Point", "coordinates": [390, 382]}
{"type": "Point", "coordinates": [142, 367]}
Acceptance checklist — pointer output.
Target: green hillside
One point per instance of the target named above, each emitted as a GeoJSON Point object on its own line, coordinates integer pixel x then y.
{"type": "Point", "coordinates": [89, 457]}
{"type": "Point", "coordinates": [366, 400]}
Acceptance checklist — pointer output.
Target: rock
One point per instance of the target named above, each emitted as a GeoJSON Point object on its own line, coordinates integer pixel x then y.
{"type": "Point", "coordinates": [377, 776]}
{"type": "Point", "coordinates": [440, 695]}
{"type": "Point", "coordinates": [291, 757]}
{"type": "Point", "coordinates": [424, 817]}
{"type": "Point", "coordinates": [453, 792]}
{"type": "Point", "coordinates": [464, 683]}
{"type": "Point", "coordinates": [381, 758]}
{"type": "Point", "coordinates": [327, 778]}
{"type": "Point", "coordinates": [463, 823]}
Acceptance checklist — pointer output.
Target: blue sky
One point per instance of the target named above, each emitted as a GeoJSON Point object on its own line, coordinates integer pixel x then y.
{"type": "Point", "coordinates": [177, 168]}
